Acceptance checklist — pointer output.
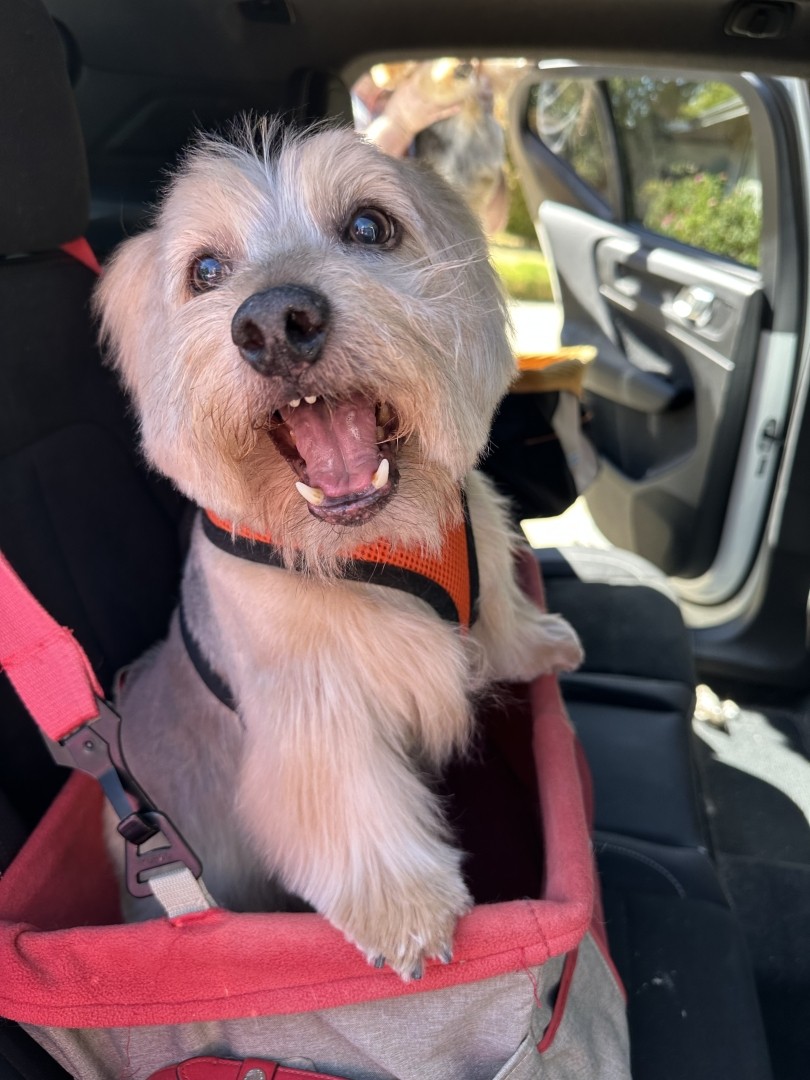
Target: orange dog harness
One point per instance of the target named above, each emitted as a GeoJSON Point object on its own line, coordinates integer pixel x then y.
{"type": "Point", "coordinates": [448, 582]}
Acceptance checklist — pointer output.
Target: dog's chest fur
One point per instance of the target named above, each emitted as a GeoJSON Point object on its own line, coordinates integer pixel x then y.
{"type": "Point", "coordinates": [311, 663]}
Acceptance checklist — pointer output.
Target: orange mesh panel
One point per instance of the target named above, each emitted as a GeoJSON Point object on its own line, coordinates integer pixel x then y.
{"type": "Point", "coordinates": [450, 569]}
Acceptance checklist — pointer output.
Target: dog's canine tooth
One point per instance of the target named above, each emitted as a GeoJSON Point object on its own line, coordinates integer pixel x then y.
{"type": "Point", "coordinates": [380, 477]}
{"type": "Point", "coordinates": [314, 496]}
{"type": "Point", "coordinates": [311, 400]}
{"type": "Point", "coordinates": [294, 404]}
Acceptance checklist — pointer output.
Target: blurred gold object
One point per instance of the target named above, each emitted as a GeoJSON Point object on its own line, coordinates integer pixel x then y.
{"type": "Point", "coordinates": [562, 369]}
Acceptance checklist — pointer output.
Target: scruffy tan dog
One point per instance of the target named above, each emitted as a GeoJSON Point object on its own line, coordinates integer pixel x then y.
{"type": "Point", "coordinates": [315, 342]}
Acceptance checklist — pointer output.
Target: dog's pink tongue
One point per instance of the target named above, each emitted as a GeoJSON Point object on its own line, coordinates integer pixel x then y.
{"type": "Point", "coordinates": [338, 442]}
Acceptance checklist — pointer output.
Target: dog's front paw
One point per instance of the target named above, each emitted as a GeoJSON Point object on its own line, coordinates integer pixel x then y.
{"type": "Point", "coordinates": [409, 922]}
{"type": "Point", "coordinates": [558, 646]}
{"type": "Point", "coordinates": [540, 645]}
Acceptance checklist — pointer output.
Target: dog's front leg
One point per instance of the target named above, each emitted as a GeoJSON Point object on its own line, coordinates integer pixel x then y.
{"type": "Point", "coordinates": [519, 641]}
{"type": "Point", "coordinates": [333, 800]}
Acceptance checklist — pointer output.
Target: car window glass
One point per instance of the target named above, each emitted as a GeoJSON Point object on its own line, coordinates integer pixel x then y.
{"type": "Point", "coordinates": [565, 114]}
{"type": "Point", "coordinates": [452, 113]}
{"type": "Point", "coordinates": [690, 162]}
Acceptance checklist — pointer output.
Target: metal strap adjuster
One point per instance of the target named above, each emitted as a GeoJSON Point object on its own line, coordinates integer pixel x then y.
{"type": "Point", "coordinates": [95, 749]}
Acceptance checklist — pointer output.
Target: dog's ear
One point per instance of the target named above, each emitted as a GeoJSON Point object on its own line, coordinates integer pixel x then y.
{"type": "Point", "coordinates": [121, 302]}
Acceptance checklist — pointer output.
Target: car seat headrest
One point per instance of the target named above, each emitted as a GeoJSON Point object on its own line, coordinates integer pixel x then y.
{"type": "Point", "coordinates": [43, 169]}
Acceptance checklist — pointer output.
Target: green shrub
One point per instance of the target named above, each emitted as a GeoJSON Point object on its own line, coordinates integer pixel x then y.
{"type": "Point", "coordinates": [524, 273]}
{"type": "Point", "coordinates": [698, 209]}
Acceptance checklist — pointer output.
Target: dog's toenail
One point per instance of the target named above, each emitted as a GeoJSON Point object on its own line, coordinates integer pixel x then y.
{"type": "Point", "coordinates": [417, 972]}
{"type": "Point", "coordinates": [378, 962]}
{"type": "Point", "coordinates": [446, 956]}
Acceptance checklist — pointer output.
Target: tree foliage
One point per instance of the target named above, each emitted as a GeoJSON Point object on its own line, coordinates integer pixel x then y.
{"type": "Point", "coordinates": [697, 209]}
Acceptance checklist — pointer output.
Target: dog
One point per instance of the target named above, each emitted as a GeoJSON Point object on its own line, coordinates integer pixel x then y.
{"type": "Point", "coordinates": [315, 342]}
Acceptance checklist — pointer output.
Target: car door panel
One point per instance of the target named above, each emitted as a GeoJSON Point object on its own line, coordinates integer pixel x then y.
{"type": "Point", "coordinates": [680, 333]}
{"type": "Point", "coordinates": [664, 394]}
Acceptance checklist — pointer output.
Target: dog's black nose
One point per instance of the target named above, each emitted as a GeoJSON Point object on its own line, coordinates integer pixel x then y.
{"type": "Point", "coordinates": [282, 328]}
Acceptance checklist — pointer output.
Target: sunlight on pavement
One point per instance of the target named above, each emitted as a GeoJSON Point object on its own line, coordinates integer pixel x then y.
{"type": "Point", "coordinates": [574, 528]}
{"type": "Point", "coordinates": [535, 326]}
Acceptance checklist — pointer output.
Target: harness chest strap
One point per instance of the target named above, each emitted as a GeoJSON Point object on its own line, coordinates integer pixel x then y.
{"type": "Point", "coordinates": [448, 581]}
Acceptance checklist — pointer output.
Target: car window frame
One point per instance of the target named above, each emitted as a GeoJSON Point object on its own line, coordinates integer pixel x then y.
{"type": "Point", "coordinates": [779, 264]}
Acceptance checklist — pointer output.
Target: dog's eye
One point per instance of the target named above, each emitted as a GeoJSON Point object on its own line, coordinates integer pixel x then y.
{"type": "Point", "coordinates": [207, 272]}
{"type": "Point", "coordinates": [372, 228]}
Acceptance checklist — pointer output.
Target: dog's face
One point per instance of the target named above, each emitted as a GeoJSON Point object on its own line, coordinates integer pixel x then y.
{"type": "Point", "coordinates": [313, 337]}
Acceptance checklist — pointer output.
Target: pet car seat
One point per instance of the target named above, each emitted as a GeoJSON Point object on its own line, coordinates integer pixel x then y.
{"type": "Point", "coordinates": [97, 540]}
{"type": "Point", "coordinates": [530, 991]}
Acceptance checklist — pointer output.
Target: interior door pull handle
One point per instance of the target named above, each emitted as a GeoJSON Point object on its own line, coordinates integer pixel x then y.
{"type": "Point", "coordinates": [694, 304]}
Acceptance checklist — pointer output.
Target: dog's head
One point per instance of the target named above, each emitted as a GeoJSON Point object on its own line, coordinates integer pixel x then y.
{"type": "Point", "coordinates": [313, 337]}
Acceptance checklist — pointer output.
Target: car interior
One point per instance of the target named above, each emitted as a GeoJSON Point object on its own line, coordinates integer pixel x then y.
{"type": "Point", "coordinates": [704, 865]}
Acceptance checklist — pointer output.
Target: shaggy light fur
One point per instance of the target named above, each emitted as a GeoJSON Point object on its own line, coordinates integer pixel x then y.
{"type": "Point", "coordinates": [346, 692]}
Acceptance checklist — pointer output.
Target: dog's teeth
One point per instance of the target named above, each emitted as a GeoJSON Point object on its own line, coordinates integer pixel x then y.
{"type": "Point", "coordinates": [311, 400]}
{"type": "Point", "coordinates": [380, 477]}
{"type": "Point", "coordinates": [294, 404]}
{"type": "Point", "coordinates": [314, 496]}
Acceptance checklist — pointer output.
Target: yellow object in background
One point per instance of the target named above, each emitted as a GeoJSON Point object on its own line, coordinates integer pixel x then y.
{"type": "Point", "coordinates": [562, 369]}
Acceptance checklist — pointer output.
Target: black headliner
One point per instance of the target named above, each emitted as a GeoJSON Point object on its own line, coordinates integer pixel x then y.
{"type": "Point", "coordinates": [151, 71]}
{"type": "Point", "coordinates": [203, 39]}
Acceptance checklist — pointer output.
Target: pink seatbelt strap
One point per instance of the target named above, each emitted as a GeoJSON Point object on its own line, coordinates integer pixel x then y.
{"type": "Point", "coordinates": [80, 250]}
{"type": "Point", "coordinates": [46, 664]}
{"type": "Point", "coordinates": [53, 677]}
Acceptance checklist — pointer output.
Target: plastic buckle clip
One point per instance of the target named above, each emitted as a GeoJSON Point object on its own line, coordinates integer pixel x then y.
{"type": "Point", "coordinates": [95, 749]}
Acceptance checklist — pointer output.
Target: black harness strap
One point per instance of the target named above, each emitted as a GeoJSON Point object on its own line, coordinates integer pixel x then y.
{"type": "Point", "coordinates": [212, 679]}
{"type": "Point", "coordinates": [359, 570]}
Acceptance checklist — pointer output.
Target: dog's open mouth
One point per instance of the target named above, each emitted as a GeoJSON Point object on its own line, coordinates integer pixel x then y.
{"type": "Point", "coordinates": [343, 452]}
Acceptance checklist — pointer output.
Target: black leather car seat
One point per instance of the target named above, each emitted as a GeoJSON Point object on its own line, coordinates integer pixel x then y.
{"type": "Point", "coordinates": [90, 532]}
{"type": "Point", "coordinates": [692, 1004]}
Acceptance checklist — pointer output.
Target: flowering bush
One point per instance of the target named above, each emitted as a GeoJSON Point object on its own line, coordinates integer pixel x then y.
{"type": "Point", "coordinates": [699, 209]}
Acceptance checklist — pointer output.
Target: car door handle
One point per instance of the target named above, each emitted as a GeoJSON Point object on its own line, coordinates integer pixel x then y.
{"type": "Point", "coordinates": [613, 377]}
{"type": "Point", "coordinates": [694, 304]}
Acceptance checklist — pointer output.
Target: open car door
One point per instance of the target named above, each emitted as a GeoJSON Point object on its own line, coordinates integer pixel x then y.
{"type": "Point", "coordinates": [666, 204]}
